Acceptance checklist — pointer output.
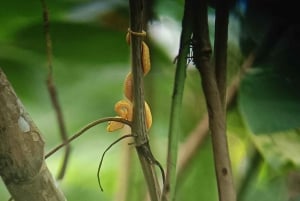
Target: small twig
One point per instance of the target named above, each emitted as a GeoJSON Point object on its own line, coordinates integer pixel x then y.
{"type": "Point", "coordinates": [47, 35]}
{"type": "Point", "coordinates": [162, 171]}
{"type": "Point", "coordinates": [102, 157]}
{"type": "Point", "coordinates": [87, 127]}
{"type": "Point", "coordinates": [53, 92]}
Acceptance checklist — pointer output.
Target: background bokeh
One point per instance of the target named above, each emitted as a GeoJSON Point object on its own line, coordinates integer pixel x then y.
{"type": "Point", "coordinates": [91, 60]}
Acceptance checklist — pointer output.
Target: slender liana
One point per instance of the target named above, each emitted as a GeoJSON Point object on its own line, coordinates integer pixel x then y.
{"type": "Point", "coordinates": [53, 92]}
{"type": "Point", "coordinates": [174, 126]}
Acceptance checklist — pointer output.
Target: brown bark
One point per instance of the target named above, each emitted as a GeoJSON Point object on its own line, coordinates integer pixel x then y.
{"type": "Point", "coordinates": [22, 165]}
{"type": "Point", "coordinates": [215, 102]}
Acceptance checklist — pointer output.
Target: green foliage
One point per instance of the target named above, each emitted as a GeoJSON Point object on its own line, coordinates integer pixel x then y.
{"type": "Point", "coordinates": [91, 60]}
{"type": "Point", "coordinates": [280, 150]}
{"type": "Point", "coordinates": [267, 190]}
{"type": "Point", "coordinates": [270, 101]}
{"type": "Point", "coordinates": [199, 177]}
{"type": "Point", "coordinates": [71, 39]}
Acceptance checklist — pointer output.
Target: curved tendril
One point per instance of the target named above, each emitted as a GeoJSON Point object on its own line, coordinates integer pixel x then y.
{"type": "Point", "coordinates": [85, 128]}
{"type": "Point", "coordinates": [102, 157]}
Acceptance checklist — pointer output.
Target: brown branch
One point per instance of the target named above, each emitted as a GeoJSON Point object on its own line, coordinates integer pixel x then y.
{"type": "Point", "coordinates": [22, 165]}
{"type": "Point", "coordinates": [217, 123]}
{"type": "Point", "coordinates": [53, 92]}
{"type": "Point", "coordinates": [220, 47]}
{"type": "Point", "coordinates": [218, 130]}
{"type": "Point", "coordinates": [192, 144]}
{"type": "Point", "coordinates": [138, 122]}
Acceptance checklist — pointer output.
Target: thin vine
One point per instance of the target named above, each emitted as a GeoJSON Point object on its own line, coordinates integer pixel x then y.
{"type": "Point", "coordinates": [53, 92]}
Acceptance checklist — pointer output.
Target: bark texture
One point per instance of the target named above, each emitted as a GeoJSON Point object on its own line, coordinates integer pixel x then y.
{"type": "Point", "coordinates": [22, 165]}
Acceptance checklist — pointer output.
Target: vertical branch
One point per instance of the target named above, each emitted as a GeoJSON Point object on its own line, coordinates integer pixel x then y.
{"type": "Point", "coordinates": [223, 168]}
{"type": "Point", "coordinates": [192, 144]}
{"type": "Point", "coordinates": [174, 127]}
{"type": "Point", "coordinates": [136, 25]}
{"type": "Point", "coordinates": [52, 91]}
{"type": "Point", "coordinates": [138, 121]}
{"type": "Point", "coordinates": [220, 47]}
{"type": "Point", "coordinates": [215, 106]}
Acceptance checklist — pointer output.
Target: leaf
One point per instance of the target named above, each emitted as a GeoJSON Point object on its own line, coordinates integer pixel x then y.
{"type": "Point", "coordinates": [264, 190]}
{"type": "Point", "coordinates": [269, 100]}
{"type": "Point", "coordinates": [281, 150]}
{"type": "Point", "coordinates": [198, 181]}
{"type": "Point", "coordinates": [15, 15]}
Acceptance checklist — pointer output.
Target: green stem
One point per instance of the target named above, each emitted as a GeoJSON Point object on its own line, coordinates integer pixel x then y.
{"type": "Point", "coordinates": [174, 127]}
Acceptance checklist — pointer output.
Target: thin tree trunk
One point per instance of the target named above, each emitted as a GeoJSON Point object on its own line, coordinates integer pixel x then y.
{"type": "Point", "coordinates": [22, 165]}
{"type": "Point", "coordinates": [214, 91]}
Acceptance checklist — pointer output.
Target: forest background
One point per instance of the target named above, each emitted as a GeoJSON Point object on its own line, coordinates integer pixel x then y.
{"type": "Point", "coordinates": [91, 60]}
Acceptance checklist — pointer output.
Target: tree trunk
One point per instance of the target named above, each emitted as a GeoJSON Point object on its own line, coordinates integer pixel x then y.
{"type": "Point", "coordinates": [22, 164]}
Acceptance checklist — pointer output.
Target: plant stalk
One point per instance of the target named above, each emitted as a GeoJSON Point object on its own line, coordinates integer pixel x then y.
{"type": "Point", "coordinates": [138, 121]}
{"type": "Point", "coordinates": [174, 126]}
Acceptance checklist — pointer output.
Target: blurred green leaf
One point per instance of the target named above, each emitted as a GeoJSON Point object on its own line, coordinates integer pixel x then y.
{"type": "Point", "coordinates": [76, 43]}
{"type": "Point", "coordinates": [267, 190]}
{"type": "Point", "coordinates": [280, 150]}
{"type": "Point", "coordinates": [15, 15]}
{"type": "Point", "coordinates": [198, 182]}
{"type": "Point", "coordinates": [270, 101]}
